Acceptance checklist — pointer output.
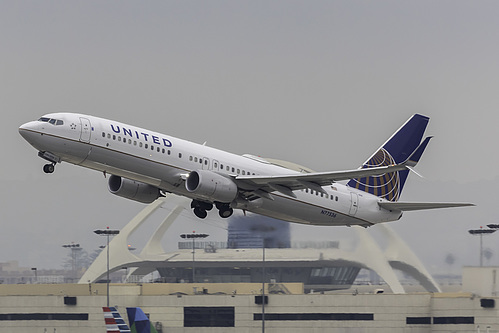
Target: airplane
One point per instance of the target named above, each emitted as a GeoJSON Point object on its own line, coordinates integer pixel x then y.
{"type": "Point", "coordinates": [139, 322]}
{"type": "Point", "coordinates": [144, 165]}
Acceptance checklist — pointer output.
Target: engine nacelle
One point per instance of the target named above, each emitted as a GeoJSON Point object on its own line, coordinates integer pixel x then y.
{"type": "Point", "coordinates": [211, 186]}
{"type": "Point", "coordinates": [132, 189]}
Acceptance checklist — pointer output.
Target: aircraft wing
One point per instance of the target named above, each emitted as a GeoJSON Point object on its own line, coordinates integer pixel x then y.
{"type": "Point", "coordinates": [287, 183]}
{"type": "Point", "coordinates": [409, 206]}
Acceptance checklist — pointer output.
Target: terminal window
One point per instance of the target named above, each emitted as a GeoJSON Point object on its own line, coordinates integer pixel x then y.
{"type": "Point", "coordinates": [200, 316]}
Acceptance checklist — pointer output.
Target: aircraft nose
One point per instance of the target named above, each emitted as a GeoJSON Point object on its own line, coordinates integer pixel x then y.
{"type": "Point", "coordinates": [27, 130]}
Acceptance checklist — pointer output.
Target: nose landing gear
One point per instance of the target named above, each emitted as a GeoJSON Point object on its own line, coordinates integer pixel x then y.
{"type": "Point", "coordinates": [53, 159]}
{"type": "Point", "coordinates": [49, 168]}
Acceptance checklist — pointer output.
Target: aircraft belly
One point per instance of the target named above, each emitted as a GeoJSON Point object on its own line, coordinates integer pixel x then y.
{"type": "Point", "coordinates": [133, 167]}
{"type": "Point", "coordinates": [305, 213]}
{"type": "Point", "coordinates": [68, 150]}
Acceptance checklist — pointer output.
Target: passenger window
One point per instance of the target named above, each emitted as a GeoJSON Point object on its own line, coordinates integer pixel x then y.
{"type": "Point", "coordinates": [103, 134]}
{"type": "Point", "coordinates": [114, 137]}
{"type": "Point", "coordinates": [233, 169]}
{"type": "Point", "coordinates": [169, 152]}
{"type": "Point", "coordinates": [244, 172]}
{"type": "Point", "coordinates": [179, 155]}
{"type": "Point", "coordinates": [129, 141]}
{"type": "Point", "coordinates": [119, 138]}
{"type": "Point", "coordinates": [146, 146]}
{"type": "Point", "coordinates": [215, 165]}
{"type": "Point", "coordinates": [205, 162]}
{"type": "Point", "coordinates": [158, 149]}
{"type": "Point", "coordinates": [152, 147]}
{"type": "Point", "coordinates": [163, 150]}
{"type": "Point", "coordinates": [195, 159]}
{"type": "Point", "coordinates": [190, 158]}
{"type": "Point", "coordinates": [140, 144]}
{"type": "Point", "coordinates": [336, 198]}
{"type": "Point", "coordinates": [108, 136]}
{"type": "Point", "coordinates": [228, 168]}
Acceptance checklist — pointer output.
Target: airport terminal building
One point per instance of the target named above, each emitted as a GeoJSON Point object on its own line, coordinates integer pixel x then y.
{"type": "Point", "coordinates": [77, 308]}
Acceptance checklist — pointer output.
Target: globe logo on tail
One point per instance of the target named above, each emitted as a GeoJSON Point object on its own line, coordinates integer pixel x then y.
{"type": "Point", "coordinates": [385, 186]}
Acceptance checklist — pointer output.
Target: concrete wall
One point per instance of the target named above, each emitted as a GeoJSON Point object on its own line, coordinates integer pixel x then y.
{"type": "Point", "coordinates": [384, 312]}
{"type": "Point", "coordinates": [143, 289]}
{"type": "Point", "coordinates": [483, 281]}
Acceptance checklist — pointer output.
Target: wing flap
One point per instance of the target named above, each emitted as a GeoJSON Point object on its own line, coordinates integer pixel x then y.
{"type": "Point", "coordinates": [410, 206]}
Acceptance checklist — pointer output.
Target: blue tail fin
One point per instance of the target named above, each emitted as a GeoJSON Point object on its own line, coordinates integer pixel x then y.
{"type": "Point", "coordinates": [139, 322]}
{"type": "Point", "coordinates": [404, 146]}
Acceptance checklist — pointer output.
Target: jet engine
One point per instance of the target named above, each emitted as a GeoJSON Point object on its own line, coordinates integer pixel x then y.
{"type": "Point", "coordinates": [132, 189]}
{"type": "Point", "coordinates": [211, 186]}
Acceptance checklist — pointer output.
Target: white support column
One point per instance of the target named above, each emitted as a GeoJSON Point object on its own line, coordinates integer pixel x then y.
{"type": "Point", "coordinates": [401, 257]}
{"type": "Point", "coordinates": [373, 258]}
{"type": "Point", "coordinates": [119, 254]}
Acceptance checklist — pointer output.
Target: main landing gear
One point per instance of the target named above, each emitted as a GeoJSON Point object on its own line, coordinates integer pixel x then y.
{"type": "Point", "coordinates": [201, 209]}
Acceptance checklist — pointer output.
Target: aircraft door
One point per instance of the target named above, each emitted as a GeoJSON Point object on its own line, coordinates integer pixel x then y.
{"type": "Point", "coordinates": [355, 203]}
{"type": "Point", "coordinates": [85, 130]}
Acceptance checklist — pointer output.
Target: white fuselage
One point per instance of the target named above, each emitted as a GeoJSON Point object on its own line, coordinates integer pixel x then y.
{"type": "Point", "coordinates": [165, 162]}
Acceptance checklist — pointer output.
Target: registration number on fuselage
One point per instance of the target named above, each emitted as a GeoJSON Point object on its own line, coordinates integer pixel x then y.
{"type": "Point", "coordinates": [328, 213]}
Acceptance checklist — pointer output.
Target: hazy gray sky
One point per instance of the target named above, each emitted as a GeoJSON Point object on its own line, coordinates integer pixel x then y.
{"type": "Point", "coordinates": [320, 83]}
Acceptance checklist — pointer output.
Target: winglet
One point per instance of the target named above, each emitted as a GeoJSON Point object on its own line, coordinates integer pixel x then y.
{"type": "Point", "coordinates": [403, 147]}
{"type": "Point", "coordinates": [416, 155]}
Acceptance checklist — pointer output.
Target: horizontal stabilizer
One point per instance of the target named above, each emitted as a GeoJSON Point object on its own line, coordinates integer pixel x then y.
{"type": "Point", "coordinates": [408, 206]}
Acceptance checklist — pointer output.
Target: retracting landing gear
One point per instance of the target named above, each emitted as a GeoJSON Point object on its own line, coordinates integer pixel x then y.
{"type": "Point", "coordinates": [224, 210]}
{"type": "Point", "coordinates": [201, 213]}
{"type": "Point", "coordinates": [53, 159]}
{"type": "Point", "coordinates": [49, 168]}
{"type": "Point", "coordinates": [201, 209]}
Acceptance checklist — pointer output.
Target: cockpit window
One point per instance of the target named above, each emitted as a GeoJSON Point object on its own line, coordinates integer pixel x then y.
{"type": "Point", "coordinates": [52, 121]}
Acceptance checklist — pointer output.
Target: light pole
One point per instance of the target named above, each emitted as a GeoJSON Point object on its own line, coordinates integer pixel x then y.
{"type": "Point", "coordinates": [193, 236]}
{"type": "Point", "coordinates": [107, 232]}
{"type": "Point", "coordinates": [75, 249]}
{"type": "Point", "coordinates": [36, 276]}
{"type": "Point", "coordinates": [263, 284]}
{"type": "Point", "coordinates": [481, 232]}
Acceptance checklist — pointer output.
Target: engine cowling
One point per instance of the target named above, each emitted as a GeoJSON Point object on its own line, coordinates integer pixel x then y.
{"type": "Point", "coordinates": [211, 186]}
{"type": "Point", "coordinates": [132, 189]}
